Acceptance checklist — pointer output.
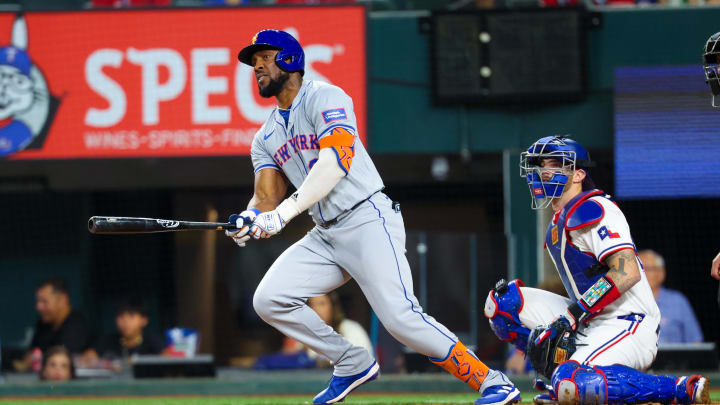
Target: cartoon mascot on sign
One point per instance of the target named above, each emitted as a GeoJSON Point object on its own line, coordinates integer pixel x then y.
{"type": "Point", "coordinates": [24, 97]}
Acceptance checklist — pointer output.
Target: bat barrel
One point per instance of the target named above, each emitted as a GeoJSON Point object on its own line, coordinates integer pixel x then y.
{"type": "Point", "coordinates": [102, 225]}
{"type": "Point", "coordinates": [117, 225]}
{"type": "Point", "coordinates": [97, 224]}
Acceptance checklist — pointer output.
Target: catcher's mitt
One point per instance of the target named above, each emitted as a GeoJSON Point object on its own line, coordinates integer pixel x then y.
{"type": "Point", "coordinates": [549, 353]}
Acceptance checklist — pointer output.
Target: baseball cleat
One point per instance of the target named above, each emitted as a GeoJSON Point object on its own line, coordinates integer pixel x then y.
{"type": "Point", "coordinates": [340, 387]}
{"type": "Point", "coordinates": [544, 399]}
{"type": "Point", "coordinates": [692, 390]}
{"type": "Point", "coordinates": [499, 395]}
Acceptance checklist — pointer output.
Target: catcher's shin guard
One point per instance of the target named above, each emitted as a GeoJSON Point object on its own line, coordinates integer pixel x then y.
{"type": "Point", "coordinates": [617, 384]}
{"type": "Point", "coordinates": [463, 364]}
{"type": "Point", "coordinates": [502, 308]}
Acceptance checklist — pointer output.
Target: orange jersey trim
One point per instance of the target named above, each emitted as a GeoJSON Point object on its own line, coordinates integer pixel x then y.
{"type": "Point", "coordinates": [342, 142]}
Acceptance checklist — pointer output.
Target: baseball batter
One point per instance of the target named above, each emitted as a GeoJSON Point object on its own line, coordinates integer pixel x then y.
{"type": "Point", "coordinates": [610, 301]}
{"type": "Point", "coordinates": [310, 141]}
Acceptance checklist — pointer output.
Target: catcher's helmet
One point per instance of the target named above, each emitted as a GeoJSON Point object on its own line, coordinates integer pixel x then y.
{"type": "Point", "coordinates": [288, 46]}
{"type": "Point", "coordinates": [711, 64]}
{"type": "Point", "coordinates": [571, 155]}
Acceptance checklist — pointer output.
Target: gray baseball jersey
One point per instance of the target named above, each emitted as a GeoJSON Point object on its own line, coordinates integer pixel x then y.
{"type": "Point", "coordinates": [366, 242]}
{"type": "Point", "coordinates": [318, 108]}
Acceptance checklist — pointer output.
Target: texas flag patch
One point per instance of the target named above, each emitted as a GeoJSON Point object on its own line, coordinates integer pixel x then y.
{"type": "Point", "coordinates": [334, 115]}
{"type": "Point", "coordinates": [604, 232]}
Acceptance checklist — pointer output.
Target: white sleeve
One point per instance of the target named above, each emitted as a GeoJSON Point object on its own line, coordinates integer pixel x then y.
{"type": "Point", "coordinates": [609, 235]}
{"type": "Point", "coordinates": [323, 177]}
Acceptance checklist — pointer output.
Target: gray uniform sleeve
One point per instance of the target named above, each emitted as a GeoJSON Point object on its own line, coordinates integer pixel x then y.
{"type": "Point", "coordinates": [329, 108]}
{"type": "Point", "coordinates": [261, 159]}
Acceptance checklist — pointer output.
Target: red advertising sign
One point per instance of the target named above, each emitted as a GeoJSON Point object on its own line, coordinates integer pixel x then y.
{"type": "Point", "coordinates": [154, 83]}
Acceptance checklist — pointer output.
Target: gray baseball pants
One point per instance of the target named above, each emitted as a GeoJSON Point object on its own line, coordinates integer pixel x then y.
{"type": "Point", "coordinates": [367, 244]}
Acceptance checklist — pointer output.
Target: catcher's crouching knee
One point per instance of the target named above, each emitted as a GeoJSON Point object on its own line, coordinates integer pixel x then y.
{"type": "Point", "coordinates": [502, 308]}
{"type": "Point", "coordinates": [575, 384]}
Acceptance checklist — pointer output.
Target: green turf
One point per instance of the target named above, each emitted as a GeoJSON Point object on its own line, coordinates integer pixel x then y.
{"type": "Point", "coordinates": [357, 399]}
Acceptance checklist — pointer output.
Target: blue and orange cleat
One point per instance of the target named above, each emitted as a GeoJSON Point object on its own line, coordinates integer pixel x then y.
{"type": "Point", "coordinates": [340, 387]}
{"type": "Point", "coordinates": [499, 395]}
{"type": "Point", "coordinates": [497, 389]}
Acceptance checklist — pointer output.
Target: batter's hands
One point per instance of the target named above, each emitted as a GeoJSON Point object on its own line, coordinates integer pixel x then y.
{"type": "Point", "coordinates": [242, 222]}
{"type": "Point", "coordinates": [267, 224]}
{"type": "Point", "coordinates": [715, 269]}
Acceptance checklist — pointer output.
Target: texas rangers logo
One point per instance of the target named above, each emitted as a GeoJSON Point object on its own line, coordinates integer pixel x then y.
{"type": "Point", "coordinates": [26, 106]}
{"type": "Point", "coordinates": [605, 232]}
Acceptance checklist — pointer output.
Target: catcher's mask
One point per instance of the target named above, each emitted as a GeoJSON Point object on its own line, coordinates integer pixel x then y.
{"type": "Point", "coordinates": [571, 156]}
{"type": "Point", "coordinates": [711, 64]}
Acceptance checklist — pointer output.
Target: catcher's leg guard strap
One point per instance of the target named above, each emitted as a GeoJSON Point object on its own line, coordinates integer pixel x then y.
{"type": "Point", "coordinates": [616, 384]}
{"type": "Point", "coordinates": [502, 308]}
{"type": "Point", "coordinates": [463, 364]}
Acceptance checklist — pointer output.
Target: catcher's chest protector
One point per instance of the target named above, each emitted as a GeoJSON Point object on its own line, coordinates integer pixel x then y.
{"type": "Point", "coordinates": [573, 265]}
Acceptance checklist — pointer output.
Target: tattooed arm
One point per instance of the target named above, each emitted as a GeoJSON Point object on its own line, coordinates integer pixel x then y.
{"type": "Point", "coordinates": [624, 270]}
{"type": "Point", "coordinates": [624, 273]}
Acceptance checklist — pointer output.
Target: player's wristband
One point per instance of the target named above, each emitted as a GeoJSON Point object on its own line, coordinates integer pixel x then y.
{"type": "Point", "coordinates": [597, 297]}
{"type": "Point", "coordinates": [288, 209]}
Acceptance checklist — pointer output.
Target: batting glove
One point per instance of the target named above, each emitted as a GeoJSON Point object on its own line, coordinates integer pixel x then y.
{"type": "Point", "coordinates": [242, 223]}
{"type": "Point", "coordinates": [272, 222]}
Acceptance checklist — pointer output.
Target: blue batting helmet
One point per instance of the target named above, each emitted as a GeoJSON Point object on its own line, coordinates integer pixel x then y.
{"type": "Point", "coordinates": [288, 46]}
{"type": "Point", "coordinates": [568, 152]}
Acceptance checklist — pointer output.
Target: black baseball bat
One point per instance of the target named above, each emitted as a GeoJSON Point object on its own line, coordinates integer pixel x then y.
{"type": "Point", "coordinates": [130, 225]}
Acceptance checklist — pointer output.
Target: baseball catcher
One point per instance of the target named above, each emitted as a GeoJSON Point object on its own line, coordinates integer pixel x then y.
{"type": "Point", "coordinates": [591, 345]}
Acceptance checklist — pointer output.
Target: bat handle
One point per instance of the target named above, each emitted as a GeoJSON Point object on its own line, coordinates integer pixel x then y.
{"type": "Point", "coordinates": [234, 217]}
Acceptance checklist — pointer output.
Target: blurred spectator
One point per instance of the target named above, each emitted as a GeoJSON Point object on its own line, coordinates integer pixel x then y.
{"type": "Point", "coordinates": [329, 308]}
{"type": "Point", "coordinates": [130, 3]}
{"type": "Point", "coordinates": [296, 355]}
{"type": "Point", "coordinates": [211, 3]}
{"type": "Point", "coordinates": [613, 3]}
{"type": "Point", "coordinates": [57, 365]}
{"type": "Point", "coordinates": [131, 337]}
{"type": "Point", "coordinates": [58, 323]}
{"type": "Point", "coordinates": [678, 323]}
{"type": "Point", "coordinates": [313, 1]}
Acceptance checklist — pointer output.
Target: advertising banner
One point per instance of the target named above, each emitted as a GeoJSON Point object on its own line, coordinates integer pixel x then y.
{"type": "Point", "coordinates": [157, 83]}
{"type": "Point", "coordinates": [666, 134]}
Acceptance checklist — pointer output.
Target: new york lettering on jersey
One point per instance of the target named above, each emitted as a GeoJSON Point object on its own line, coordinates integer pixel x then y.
{"type": "Point", "coordinates": [296, 144]}
{"type": "Point", "coordinates": [322, 116]}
